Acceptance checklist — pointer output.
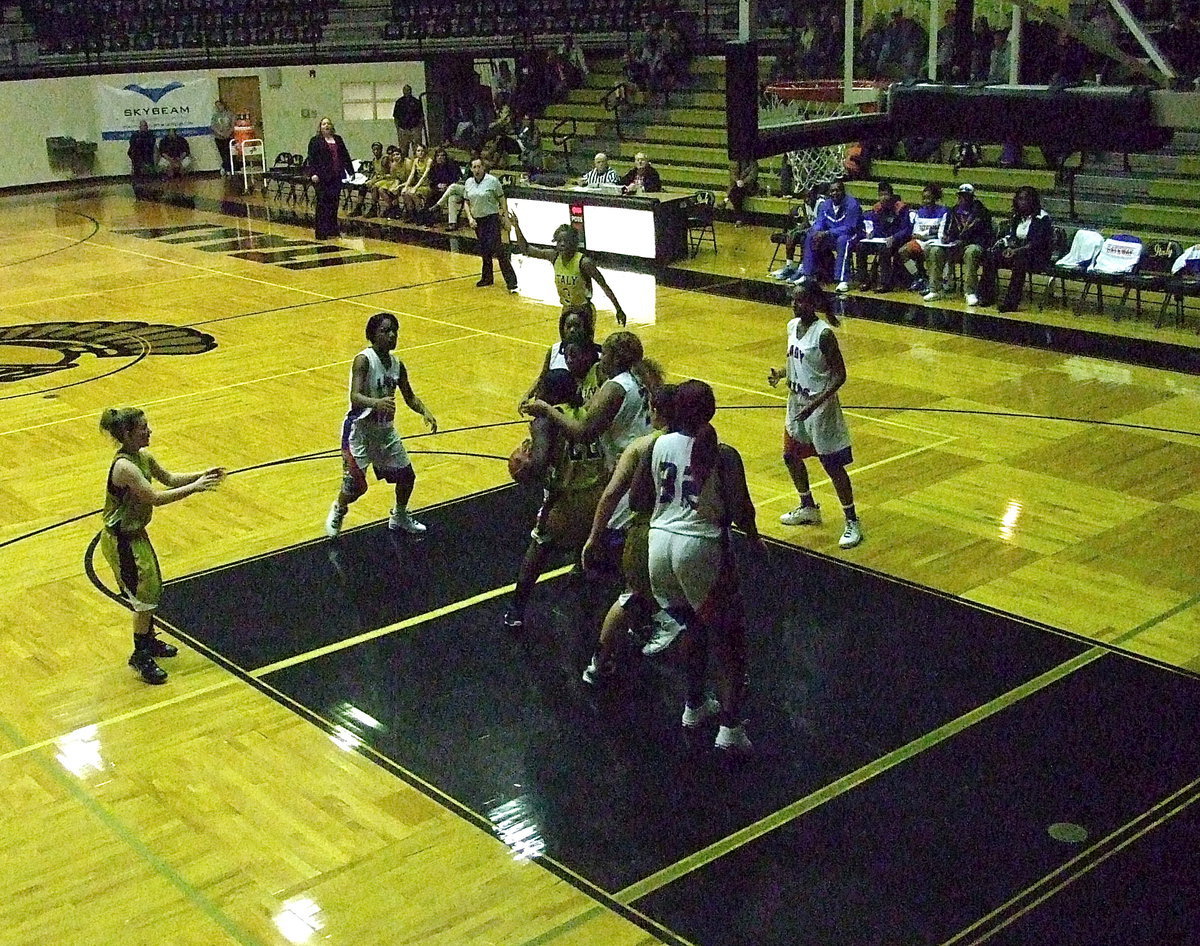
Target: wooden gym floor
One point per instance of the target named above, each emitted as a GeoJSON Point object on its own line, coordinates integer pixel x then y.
{"type": "Point", "coordinates": [993, 693]}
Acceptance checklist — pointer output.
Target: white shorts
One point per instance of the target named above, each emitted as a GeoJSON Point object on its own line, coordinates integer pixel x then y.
{"type": "Point", "coordinates": [683, 569]}
{"type": "Point", "coordinates": [824, 429]}
{"type": "Point", "coordinates": [366, 444]}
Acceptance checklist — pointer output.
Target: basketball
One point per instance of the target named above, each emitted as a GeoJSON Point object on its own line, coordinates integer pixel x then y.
{"type": "Point", "coordinates": [520, 463]}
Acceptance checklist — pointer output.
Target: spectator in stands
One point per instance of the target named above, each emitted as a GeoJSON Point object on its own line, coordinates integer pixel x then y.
{"type": "Point", "coordinates": [904, 47]}
{"type": "Point", "coordinates": [600, 173]}
{"type": "Point", "coordinates": [800, 218]}
{"type": "Point", "coordinates": [743, 183]}
{"type": "Point", "coordinates": [1180, 43]}
{"type": "Point", "coordinates": [1001, 58]}
{"type": "Point", "coordinates": [927, 222]}
{"type": "Point", "coordinates": [415, 190]}
{"type": "Point", "coordinates": [837, 227]}
{"type": "Point", "coordinates": [409, 119]}
{"type": "Point", "coordinates": [891, 222]}
{"type": "Point", "coordinates": [677, 53]}
{"type": "Point", "coordinates": [529, 140]}
{"type": "Point", "coordinates": [174, 154]}
{"type": "Point", "coordinates": [572, 55]}
{"type": "Point", "coordinates": [981, 49]}
{"type": "Point", "coordinates": [965, 233]}
{"type": "Point", "coordinates": [870, 47]}
{"type": "Point", "coordinates": [141, 150]}
{"type": "Point", "coordinates": [221, 126]}
{"type": "Point", "coordinates": [329, 164]}
{"type": "Point", "coordinates": [946, 47]}
{"type": "Point", "coordinates": [446, 187]}
{"type": "Point", "coordinates": [1025, 246]}
{"type": "Point", "coordinates": [642, 178]}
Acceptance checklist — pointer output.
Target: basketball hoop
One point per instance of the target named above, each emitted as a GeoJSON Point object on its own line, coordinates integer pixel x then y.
{"type": "Point", "coordinates": [792, 103]}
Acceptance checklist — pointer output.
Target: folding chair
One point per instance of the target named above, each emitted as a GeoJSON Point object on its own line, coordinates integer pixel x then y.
{"type": "Point", "coordinates": [700, 222]}
{"type": "Point", "coordinates": [1084, 247]}
{"type": "Point", "coordinates": [1118, 258]}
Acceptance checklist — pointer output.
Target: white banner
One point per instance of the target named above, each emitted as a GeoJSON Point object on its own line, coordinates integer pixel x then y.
{"type": "Point", "coordinates": [162, 103]}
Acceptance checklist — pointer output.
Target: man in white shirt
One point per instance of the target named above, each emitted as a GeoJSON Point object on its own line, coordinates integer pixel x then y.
{"type": "Point", "coordinates": [486, 206]}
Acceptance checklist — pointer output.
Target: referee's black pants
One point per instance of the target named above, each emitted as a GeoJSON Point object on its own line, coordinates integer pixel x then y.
{"type": "Point", "coordinates": [487, 232]}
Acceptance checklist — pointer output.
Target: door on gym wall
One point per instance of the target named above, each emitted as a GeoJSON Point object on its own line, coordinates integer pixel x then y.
{"type": "Point", "coordinates": [241, 94]}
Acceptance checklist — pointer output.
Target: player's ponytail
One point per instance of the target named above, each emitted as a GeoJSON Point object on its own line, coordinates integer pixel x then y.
{"type": "Point", "coordinates": [117, 422]}
{"type": "Point", "coordinates": [694, 406]}
{"type": "Point", "coordinates": [649, 374]}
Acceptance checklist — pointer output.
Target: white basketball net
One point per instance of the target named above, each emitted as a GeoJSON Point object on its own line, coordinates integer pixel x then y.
{"type": "Point", "coordinates": [810, 166]}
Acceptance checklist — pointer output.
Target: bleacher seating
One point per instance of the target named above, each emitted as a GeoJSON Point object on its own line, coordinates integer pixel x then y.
{"type": "Point", "coordinates": [66, 27]}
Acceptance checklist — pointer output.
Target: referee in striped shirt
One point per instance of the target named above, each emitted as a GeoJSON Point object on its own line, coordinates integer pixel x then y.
{"type": "Point", "coordinates": [600, 173]}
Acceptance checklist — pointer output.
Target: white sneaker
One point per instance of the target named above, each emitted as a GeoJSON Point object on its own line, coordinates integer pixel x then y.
{"type": "Point", "coordinates": [694, 715]}
{"type": "Point", "coordinates": [932, 296]}
{"type": "Point", "coordinates": [733, 739]}
{"type": "Point", "coordinates": [802, 516]}
{"type": "Point", "coordinates": [401, 521]}
{"type": "Point", "coordinates": [843, 286]}
{"type": "Point", "coordinates": [787, 271]}
{"type": "Point", "coordinates": [972, 299]}
{"type": "Point", "coordinates": [666, 629]}
{"type": "Point", "coordinates": [333, 522]}
{"type": "Point", "coordinates": [852, 536]}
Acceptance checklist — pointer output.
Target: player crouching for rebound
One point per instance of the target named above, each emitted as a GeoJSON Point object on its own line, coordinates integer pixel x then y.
{"type": "Point", "coordinates": [700, 488]}
{"type": "Point", "coordinates": [369, 434]}
{"type": "Point", "coordinates": [635, 606]}
{"type": "Point", "coordinates": [573, 473]}
{"type": "Point", "coordinates": [815, 424]}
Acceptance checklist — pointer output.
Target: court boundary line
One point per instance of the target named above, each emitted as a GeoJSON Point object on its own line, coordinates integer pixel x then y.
{"type": "Point", "coordinates": [602, 897]}
{"type": "Point", "coordinates": [1109, 846]}
{"type": "Point", "coordinates": [854, 779]}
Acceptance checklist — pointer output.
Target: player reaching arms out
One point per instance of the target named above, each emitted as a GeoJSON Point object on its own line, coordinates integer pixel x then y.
{"type": "Point", "coordinates": [129, 501]}
{"type": "Point", "coordinates": [574, 272]}
{"type": "Point", "coordinates": [815, 424]}
{"type": "Point", "coordinates": [369, 435]}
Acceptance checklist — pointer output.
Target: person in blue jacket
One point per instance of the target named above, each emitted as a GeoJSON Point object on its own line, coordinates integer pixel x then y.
{"type": "Point", "coordinates": [837, 228]}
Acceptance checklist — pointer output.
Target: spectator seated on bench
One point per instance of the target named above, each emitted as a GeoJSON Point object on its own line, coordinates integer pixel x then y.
{"type": "Point", "coordinates": [926, 222]}
{"type": "Point", "coordinates": [836, 230]}
{"type": "Point", "coordinates": [1024, 247]}
{"type": "Point", "coordinates": [888, 227]}
{"type": "Point", "coordinates": [965, 234]}
{"type": "Point", "coordinates": [800, 218]}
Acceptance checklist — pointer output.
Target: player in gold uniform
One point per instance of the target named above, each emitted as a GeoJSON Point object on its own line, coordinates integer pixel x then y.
{"type": "Point", "coordinates": [574, 474]}
{"type": "Point", "coordinates": [574, 273]}
{"type": "Point", "coordinates": [129, 501]}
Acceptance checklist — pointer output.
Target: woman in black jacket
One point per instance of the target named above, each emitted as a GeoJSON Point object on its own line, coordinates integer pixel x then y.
{"type": "Point", "coordinates": [329, 164]}
{"type": "Point", "coordinates": [1025, 246]}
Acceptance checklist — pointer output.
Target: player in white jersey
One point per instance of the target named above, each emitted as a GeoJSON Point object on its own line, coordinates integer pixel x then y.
{"type": "Point", "coordinates": [815, 424]}
{"type": "Point", "coordinates": [369, 435]}
{"type": "Point", "coordinates": [700, 488]}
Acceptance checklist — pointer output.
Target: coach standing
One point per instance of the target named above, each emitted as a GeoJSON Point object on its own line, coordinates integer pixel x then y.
{"type": "Point", "coordinates": [328, 163]}
{"type": "Point", "coordinates": [486, 204]}
{"type": "Point", "coordinates": [409, 119]}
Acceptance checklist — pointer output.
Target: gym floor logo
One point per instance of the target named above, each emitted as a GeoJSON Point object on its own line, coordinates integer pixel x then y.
{"type": "Point", "coordinates": [45, 348]}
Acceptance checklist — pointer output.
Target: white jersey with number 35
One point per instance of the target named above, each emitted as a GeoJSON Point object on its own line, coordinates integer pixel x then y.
{"type": "Point", "coordinates": [683, 506]}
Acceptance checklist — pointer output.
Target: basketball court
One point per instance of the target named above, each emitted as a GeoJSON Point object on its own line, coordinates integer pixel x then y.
{"type": "Point", "coordinates": [973, 728]}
